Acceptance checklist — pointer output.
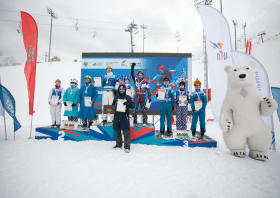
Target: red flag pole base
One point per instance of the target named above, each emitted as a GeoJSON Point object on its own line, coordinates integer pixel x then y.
{"type": "Point", "coordinates": [31, 128]}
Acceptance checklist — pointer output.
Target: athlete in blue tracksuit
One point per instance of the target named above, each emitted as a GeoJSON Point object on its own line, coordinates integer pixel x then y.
{"type": "Point", "coordinates": [198, 96]}
{"type": "Point", "coordinates": [166, 107]}
{"type": "Point", "coordinates": [71, 95]}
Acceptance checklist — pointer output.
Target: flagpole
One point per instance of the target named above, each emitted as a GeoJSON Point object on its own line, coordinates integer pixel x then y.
{"type": "Point", "coordinates": [31, 127]}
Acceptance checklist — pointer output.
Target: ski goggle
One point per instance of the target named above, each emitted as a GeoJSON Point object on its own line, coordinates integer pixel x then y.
{"type": "Point", "coordinates": [197, 85]}
{"type": "Point", "coordinates": [121, 88]}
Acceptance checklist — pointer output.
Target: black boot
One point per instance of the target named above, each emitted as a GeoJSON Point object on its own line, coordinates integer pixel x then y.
{"type": "Point", "coordinates": [202, 133]}
{"type": "Point", "coordinates": [84, 126]}
{"type": "Point", "coordinates": [169, 133]}
{"type": "Point", "coordinates": [89, 124]}
{"type": "Point", "coordinates": [193, 133]}
{"type": "Point", "coordinates": [104, 122]}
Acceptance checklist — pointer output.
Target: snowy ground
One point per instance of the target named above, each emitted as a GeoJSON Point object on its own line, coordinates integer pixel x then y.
{"type": "Point", "coordinates": [45, 168]}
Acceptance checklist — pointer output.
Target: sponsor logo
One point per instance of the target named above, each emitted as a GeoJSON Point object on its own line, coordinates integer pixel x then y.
{"type": "Point", "coordinates": [123, 65]}
{"type": "Point", "coordinates": [30, 54]}
{"type": "Point", "coordinates": [10, 105]}
{"type": "Point", "coordinates": [85, 64]}
{"type": "Point", "coordinates": [220, 55]}
{"type": "Point", "coordinates": [100, 64]}
{"type": "Point", "coordinates": [94, 64]}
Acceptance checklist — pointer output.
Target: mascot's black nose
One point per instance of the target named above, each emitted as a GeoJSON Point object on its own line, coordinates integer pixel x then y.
{"type": "Point", "coordinates": [242, 75]}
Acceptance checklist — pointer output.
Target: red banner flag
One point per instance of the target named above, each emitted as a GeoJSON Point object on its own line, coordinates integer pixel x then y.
{"type": "Point", "coordinates": [30, 39]}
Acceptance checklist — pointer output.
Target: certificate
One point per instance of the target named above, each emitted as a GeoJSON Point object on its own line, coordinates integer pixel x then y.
{"type": "Point", "coordinates": [69, 106]}
{"type": "Point", "coordinates": [161, 94]}
{"type": "Point", "coordinates": [121, 107]}
{"type": "Point", "coordinates": [54, 100]}
{"type": "Point", "coordinates": [97, 81]}
{"type": "Point", "coordinates": [197, 105]}
{"type": "Point", "coordinates": [182, 101]}
{"type": "Point", "coordinates": [87, 101]}
{"type": "Point", "coordinates": [148, 104]}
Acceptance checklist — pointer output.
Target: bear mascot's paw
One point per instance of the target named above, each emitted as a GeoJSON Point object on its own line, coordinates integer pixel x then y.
{"type": "Point", "coordinates": [258, 155]}
{"type": "Point", "coordinates": [268, 106]}
{"type": "Point", "coordinates": [238, 153]}
{"type": "Point", "coordinates": [226, 126]}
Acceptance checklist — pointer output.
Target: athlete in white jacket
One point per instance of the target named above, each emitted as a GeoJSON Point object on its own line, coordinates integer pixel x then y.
{"type": "Point", "coordinates": [55, 109]}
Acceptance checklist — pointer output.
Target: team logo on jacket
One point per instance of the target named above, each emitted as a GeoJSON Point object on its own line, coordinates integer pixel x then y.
{"type": "Point", "coordinates": [30, 54]}
{"type": "Point", "coordinates": [220, 55]}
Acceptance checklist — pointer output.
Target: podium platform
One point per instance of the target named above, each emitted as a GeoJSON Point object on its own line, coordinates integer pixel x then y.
{"type": "Point", "coordinates": [139, 135]}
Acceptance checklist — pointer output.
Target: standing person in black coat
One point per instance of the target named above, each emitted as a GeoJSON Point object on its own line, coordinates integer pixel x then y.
{"type": "Point", "coordinates": [121, 119]}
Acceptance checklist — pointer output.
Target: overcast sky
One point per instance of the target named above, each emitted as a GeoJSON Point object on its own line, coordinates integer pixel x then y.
{"type": "Point", "coordinates": [163, 18]}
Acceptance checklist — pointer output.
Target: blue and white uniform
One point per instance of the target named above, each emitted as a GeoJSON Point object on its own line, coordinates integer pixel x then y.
{"type": "Point", "coordinates": [166, 108]}
{"type": "Point", "coordinates": [55, 110]}
{"type": "Point", "coordinates": [198, 95]}
{"type": "Point", "coordinates": [108, 82]}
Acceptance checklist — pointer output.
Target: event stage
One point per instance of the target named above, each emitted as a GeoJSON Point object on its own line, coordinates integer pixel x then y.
{"type": "Point", "coordinates": [139, 135]}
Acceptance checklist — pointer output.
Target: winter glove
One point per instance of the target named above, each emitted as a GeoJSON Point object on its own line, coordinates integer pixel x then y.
{"type": "Point", "coordinates": [133, 64]}
{"type": "Point", "coordinates": [118, 80]}
{"type": "Point", "coordinates": [157, 95]}
{"type": "Point", "coordinates": [173, 108]}
{"type": "Point", "coordinates": [150, 100]}
{"type": "Point", "coordinates": [126, 103]}
{"type": "Point", "coordinates": [73, 105]}
{"type": "Point", "coordinates": [65, 104]}
{"type": "Point", "coordinates": [114, 93]}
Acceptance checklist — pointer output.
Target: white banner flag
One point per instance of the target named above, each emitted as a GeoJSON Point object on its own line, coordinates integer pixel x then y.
{"type": "Point", "coordinates": [262, 83]}
{"type": "Point", "coordinates": [1, 107]}
{"type": "Point", "coordinates": [218, 48]}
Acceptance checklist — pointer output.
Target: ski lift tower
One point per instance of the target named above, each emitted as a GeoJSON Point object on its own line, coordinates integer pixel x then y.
{"type": "Point", "coordinates": [196, 3]}
{"type": "Point", "coordinates": [130, 28]}
{"type": "Point", "coordinates": [55, 16]}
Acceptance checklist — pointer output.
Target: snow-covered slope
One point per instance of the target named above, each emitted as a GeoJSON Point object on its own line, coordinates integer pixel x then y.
{"type": "Point", "coordinates": [33, 168]}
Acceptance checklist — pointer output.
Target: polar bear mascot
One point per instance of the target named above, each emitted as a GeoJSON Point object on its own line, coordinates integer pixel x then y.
{"type": "Point", "coordinates": [241, 115]}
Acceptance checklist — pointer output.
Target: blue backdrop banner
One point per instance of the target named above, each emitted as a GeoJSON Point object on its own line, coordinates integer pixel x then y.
{"type": "Point", "coordinates": [155, 68]}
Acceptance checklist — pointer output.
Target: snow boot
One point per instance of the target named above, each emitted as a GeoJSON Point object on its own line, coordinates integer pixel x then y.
{"type": "Point", "coordinates": [104, 122]}
{"type": "Point", "coordinates": [193, 133]}
{"type": "Point", "coordinates": [116, 147]}
{"type": "Point", "coordinates": [126, 150]}
{"type": "Point", "coordinates": [89, 124]}
{"type": "Point", "coordinates": [169, 133]}
{"type": "Point", "coordinates": [144, 124]}
{"type": "Point", "coordinates": [57, 126]}
{"type": "Point", "coordinates": [202, 133]}
{"type": "Point", "coordinates": [84, 126]}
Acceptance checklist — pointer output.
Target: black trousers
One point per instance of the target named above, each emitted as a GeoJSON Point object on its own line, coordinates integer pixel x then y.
{"type": "Point", "coordinates": [127, 138]}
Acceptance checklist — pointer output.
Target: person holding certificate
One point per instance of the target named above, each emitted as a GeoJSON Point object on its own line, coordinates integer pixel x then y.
{"type": "Point", "coordinates": [166, 96]}
{"type": "Point", "coordinates": [87, 96]}
{"type": "Point", "coordinates": [108, 82]}
{"type": "Point", "coordinates": [70, 100]}
{"type": "Point", "coordinates": [55, 100]}
{"type": "Point", "coordinates": [141, 86]}
{"type": "Point", "coordinates": [122, 103]}
{"type": "Point", "coordinates": [198, 103]}
{"type": "Point", "coordinates": [182, 100]}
